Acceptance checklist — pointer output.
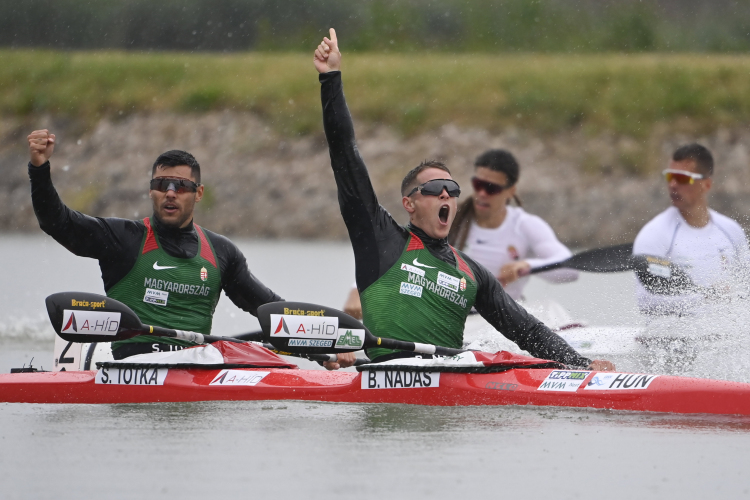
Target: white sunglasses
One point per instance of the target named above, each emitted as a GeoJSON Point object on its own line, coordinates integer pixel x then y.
{"type": "Point", "coordinates": [681, 176]}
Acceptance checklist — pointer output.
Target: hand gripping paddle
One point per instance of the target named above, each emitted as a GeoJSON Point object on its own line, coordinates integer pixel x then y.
{"type": "Point", "coordinates": [299, 327]}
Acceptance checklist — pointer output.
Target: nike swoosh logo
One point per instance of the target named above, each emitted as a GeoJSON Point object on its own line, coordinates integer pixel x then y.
{"type": "Point", "coordinates": [159, 268]}
{"type": "Point", "coordinates": [416, 263]}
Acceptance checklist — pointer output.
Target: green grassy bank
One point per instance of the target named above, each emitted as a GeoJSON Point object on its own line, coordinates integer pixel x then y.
{"type": "Point", "coordinates": [628, 94]}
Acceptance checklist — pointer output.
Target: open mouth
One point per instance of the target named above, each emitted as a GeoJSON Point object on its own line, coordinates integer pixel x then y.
{"type": "Point", "coordinates": [445, 210]}
{"type": "Point", "coordinates": [170, 208]}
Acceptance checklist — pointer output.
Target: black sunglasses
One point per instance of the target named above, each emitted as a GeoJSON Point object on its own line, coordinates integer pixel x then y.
{"type": "Point", "coordinates": [177, 185]}
{"type": "Point", "coordinates": [436, 186]}
{"type": "Point", "coordinates": [488, 187]}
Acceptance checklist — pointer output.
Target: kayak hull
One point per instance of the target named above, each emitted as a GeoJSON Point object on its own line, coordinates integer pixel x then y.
{"type": "Point", "coordinates": [512, 387]}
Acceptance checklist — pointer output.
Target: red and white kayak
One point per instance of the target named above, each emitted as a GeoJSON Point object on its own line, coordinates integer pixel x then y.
{"type": "Point", "coordinates": [247, 372]}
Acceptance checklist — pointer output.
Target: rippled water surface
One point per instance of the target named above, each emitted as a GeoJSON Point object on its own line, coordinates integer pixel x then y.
{"type": "Point", "coordinates": [318, 450]}
{"type": "Point", "coordinates": [303, 450]}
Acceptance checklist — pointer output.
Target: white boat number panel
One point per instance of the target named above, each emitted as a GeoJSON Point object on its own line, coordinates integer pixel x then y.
{"type": "Point", "coordinates": [131, 376]}
{"type": "Point", "coordinates": [399, 379]}
{"type": "Point", "coordinates": [67, 355]}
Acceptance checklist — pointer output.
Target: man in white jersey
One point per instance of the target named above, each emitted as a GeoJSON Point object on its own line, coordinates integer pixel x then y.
{"type": "Point", "coordinates": [709, 246]}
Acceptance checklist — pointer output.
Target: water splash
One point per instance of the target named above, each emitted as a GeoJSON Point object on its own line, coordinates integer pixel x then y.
{"type": "Point", "coordinates": [26, 329]}
{"type": "Point", "coordinates": [713, 343]}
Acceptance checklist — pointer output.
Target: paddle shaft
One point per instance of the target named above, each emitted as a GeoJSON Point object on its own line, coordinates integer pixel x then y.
{"type": "Point", "coordinates": [400, 345]}
{"type": "Point", "coordinates": [196, 337]}
{"type": "Point", "coordinates": [548, 267]}
{"type": "Point", "coordinates": [371, 341]}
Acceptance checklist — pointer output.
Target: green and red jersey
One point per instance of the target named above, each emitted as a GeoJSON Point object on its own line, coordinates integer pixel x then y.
{"type": "Point", "coordinates": [381, 245]}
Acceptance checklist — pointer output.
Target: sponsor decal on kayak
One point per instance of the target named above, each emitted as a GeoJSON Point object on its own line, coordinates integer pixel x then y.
{"type": "Point", "coordinates": [619, 381]}
{"type": "Point", "coordinates": [87, 322]}
{"type": "Point", "coordinates": [501, 386]}
{"type": "Point", "coordinates": [131, 376]}
{"type": "Point", "coordinates": [399, 379]}
{"type": "Point", "coordinates": [351, 338]}
{"type": "Point", "coordinates": [238, 377]}
{"type": "Point", "coordinates": [410, 289]}
{"type": "Point", "coordinates": [309, 327]}
{"type": "Point", "coordinates": [412, 269]}
{"type": "Point", "coordinates": [563, 380]}
{"type": "Point", "coordinates": [448, 281]}
{"type": "Point", "coordinates": [156, 297]}
{"type": "Point", "coordinates": [309, 343]}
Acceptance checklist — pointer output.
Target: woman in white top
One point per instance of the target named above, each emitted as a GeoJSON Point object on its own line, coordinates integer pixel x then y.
{"type": "Point", "coordinates": [503, 238]}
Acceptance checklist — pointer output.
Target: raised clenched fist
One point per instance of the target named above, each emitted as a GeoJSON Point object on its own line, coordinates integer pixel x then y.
{"type": "Point", "coordinates": [41, 146]}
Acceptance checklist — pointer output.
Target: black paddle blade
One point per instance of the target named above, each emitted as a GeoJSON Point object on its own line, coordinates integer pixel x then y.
{"type": "Point", "coordinates": [612, 259]}
{"type": "Point", "coordinates": [298, 327]}
{"type": "Point", "coordinates": [90, 317]}
{"type": "Point", "coordinates": [661, 277]}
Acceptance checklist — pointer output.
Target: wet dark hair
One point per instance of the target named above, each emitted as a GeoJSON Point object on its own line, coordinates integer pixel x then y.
{"type": "Point", "coordinates": [411, 177]}
{"type": "Point", "coordinates": [176, 158]}
{"type": "Point", "coordinates": [704, 160]}
{"type": "Point", "coordinates": [500, 160]}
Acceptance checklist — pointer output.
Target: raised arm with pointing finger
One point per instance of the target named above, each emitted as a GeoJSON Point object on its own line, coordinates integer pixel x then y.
{"type": "Point", "coordinates": [414, 285]}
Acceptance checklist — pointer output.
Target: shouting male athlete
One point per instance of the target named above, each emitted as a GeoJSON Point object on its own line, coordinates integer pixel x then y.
{"type": "Point", "coordinates": [169, 270]}
{"type": "Point", "coordinates": [709, 246]}
{"type": "Point", "coordinates": [414, 286]}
